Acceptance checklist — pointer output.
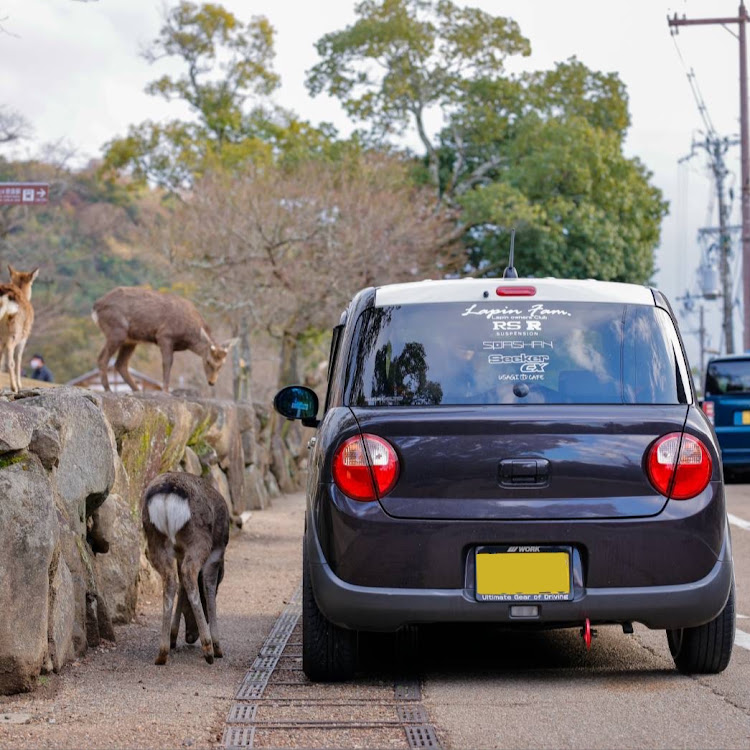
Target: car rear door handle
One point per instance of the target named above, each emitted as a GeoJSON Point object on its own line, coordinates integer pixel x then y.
{"type": "Point", "coordinates": [514, 472]}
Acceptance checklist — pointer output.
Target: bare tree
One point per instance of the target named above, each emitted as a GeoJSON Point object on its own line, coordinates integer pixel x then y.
{"type": "Point", "coordinates": [284, 250]}
{"type": "Point", "coordinates": [13, 126]}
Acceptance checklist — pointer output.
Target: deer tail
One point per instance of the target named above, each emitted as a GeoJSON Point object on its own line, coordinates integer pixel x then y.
{"type": "Point", "coordinates": [168, 508]}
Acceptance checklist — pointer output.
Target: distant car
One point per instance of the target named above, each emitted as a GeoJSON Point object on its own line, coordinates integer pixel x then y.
{"type": "Point", "coordinates": [726, 403]}
{"type": "Point", "coordinates": [527, 452]}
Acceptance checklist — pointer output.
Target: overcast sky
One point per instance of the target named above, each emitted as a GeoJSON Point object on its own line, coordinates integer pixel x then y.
{"type": "Point", "coordinates": [74, 70]}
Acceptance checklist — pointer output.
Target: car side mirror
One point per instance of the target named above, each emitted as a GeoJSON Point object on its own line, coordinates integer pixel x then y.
{"type": "Point", "coordinates": [298, 402]}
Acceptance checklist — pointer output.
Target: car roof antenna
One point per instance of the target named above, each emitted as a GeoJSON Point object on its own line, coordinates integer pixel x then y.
{"type": "Point", "coordinates": [510, 271]}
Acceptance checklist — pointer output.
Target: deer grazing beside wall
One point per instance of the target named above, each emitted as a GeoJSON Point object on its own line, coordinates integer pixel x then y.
{"type": "Point", "coordinates": [16, 322]}
{"type": "Point", "coordinates": [186, 519]}
{"type": "Point", "coordinates": [132, 315]}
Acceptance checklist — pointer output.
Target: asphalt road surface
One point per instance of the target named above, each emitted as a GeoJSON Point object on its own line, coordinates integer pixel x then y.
{"type": "Point", "coordinates": [492, 689]}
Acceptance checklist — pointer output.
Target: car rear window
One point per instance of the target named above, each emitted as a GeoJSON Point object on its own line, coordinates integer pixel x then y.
{"type": "Point", "coordinates": [515, 352]}
{"type": "Point", "coordinates": [728, 376]}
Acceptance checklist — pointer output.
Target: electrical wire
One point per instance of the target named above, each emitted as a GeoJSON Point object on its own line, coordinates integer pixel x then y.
{"type": "Point", "coordinates": [695, 88]}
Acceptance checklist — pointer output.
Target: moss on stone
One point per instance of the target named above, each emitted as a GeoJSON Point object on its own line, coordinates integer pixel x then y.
{"type": "Point", "coordinates": [201, 448]}
{"type": "Point", "coordinates": [9, 459]}
{"type": "Point", "coordinates": [141, 449]}
{"type": "Point", "coordinates": [197, 436]}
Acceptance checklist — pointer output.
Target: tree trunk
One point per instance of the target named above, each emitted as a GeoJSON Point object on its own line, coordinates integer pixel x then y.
{"type": "Point", "coordinates": [289, 369]}
{"type": "Point", "coordinates": [241, 361]}
{"type": "Point", "coordinates": [286, 436]}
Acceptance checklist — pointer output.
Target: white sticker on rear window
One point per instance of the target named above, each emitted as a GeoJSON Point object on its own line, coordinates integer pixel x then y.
{"type": "Point", "coordinates": [539, 312]}
{"type": "Point", "coordinates": [501, 344]}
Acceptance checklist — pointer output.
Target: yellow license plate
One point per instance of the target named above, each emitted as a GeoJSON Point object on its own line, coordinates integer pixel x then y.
{"type": "Point", "coordinates": [507, 574]}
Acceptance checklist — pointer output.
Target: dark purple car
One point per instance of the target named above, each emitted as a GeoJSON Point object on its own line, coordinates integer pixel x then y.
{"type": "Point", "coordinates": [526, 452]}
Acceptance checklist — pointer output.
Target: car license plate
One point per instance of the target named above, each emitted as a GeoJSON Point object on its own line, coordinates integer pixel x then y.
{"type": "Point", "coordinates": [742, 418]}
{"type": "Point", "coordinates": [523, 573]}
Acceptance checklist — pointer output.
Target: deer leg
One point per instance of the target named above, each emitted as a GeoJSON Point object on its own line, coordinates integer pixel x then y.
{"type": "Point", "coordinates": [121, 364]}
{"type": "Point", "coordinates": [190, 569]}
{"type": "Point", "coordinates": [109, 348]}
{"type": "Point", "coordinates": [170, 587]}
{"type": "Point", "coordinates": [167, 353]}
{"type": "Point", "coordinates": [19, 359]}
{"type": "Point", "coordinates": [181, 605]}
{"type": "Point", "coordinates": [191, 626]}
{"type": "Point", "coordinates": [211, 577]}
{"type": "Point", "coordinates": [184, 609]}
{"type": "Point", "coordinates": [161, 556]}
{"type": "Point", "coordinates": [12, 367]}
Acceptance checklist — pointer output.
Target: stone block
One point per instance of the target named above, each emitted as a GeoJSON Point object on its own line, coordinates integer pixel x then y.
{"type": "Point", "coordinates": [28, 539]}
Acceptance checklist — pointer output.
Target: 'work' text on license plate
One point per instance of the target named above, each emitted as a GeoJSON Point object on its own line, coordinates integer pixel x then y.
{"type": "Point", "coordinates": [513, 573]}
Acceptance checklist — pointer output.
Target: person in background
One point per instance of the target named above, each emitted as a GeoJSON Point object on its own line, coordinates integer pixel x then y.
{"type": "Point", "coordinates": [40, 371]}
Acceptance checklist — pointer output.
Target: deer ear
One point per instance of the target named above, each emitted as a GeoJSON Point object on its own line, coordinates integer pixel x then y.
{"type": "Point", "coordinates": [10, 270]}
{"type": "Point", "coordinates": [34, 274]}
{"type": "Point", "coordinates": [229, 343]}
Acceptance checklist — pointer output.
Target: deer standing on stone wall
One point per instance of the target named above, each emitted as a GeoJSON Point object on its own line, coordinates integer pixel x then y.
{"type": "Point", "coordinates": [16, 322]}
{"type": "Point", "coordinates": [132, 315]}
{"type": "Point", "coordinates": [186, 519]}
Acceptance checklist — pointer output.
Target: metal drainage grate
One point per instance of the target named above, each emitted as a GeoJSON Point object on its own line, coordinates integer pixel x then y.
{"type": "Point", "coordinates": [412, 714]}
{"type": "Point", "coordinates": [242, 720]}
{"type": "Point", "coordinates": [251, 690]}
{"type": "Point", "coordinates": [238, 737]}
{"type": "Point", "coordinates": [242, 713]}
{"type": "Point", "coordinates": [408, 690]}
{"type": "Point", "coordinates": [421, 735]}
{"type": "Point", "coordinates": [256, 679]}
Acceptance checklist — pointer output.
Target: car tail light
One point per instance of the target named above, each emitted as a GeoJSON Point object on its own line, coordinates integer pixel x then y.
{"type": "Point", "coordinates": [708, 410]}
{"type": "Point", "coordinates": [679, 476]}
{"type": "Point", "coordinates": [515, 291]}
{"type": "Point", "coordinates": [365, 467]}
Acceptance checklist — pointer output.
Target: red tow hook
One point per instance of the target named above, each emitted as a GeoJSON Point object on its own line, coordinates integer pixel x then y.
{"type": "Point", "coordinates": [587, 633]}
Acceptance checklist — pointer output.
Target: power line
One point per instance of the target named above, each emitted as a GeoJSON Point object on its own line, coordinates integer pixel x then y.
{"type": "Point", "coordinates": [695, 88]}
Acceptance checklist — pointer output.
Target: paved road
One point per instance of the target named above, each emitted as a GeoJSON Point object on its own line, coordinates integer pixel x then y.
{"type": "Point", "coordinates": [543, 690]}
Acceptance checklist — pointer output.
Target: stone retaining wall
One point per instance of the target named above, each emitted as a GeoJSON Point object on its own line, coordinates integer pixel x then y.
{"type": "Point", "coordinates": [73, 466]}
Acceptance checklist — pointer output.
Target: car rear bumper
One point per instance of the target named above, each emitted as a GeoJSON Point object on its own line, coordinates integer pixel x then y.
{"type": "Point", "coordinates": [735, 457]}
{"type": "Point", "coordinates": [734, 442]}
{"type": "Point", "coordinates": [387, 609]}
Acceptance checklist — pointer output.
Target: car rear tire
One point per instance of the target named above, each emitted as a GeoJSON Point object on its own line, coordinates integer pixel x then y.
{"type": "Point", "coordinates": [707, 648]}
{"type": "Point", "coordinates": [329, 653]}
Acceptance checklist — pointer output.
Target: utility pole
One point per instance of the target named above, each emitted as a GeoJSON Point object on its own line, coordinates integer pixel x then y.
{"type": "Point", "coordinates": [741, 20]}
{"type": "Point", "coordinates": [716, 148]}
{"type": "Point", "coordinates": [720, 173]}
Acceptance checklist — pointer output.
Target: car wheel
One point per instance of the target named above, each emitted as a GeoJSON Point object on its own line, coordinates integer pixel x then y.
{"type": "Point", "coordinates": [329, 653]}
{"type": "Point", "coordinates": [707, 648]}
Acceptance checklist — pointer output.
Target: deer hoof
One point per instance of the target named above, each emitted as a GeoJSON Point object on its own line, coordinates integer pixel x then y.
{"type": "Point", "coordinates": [218, 653]}
{"type": "Point", "coordinates": [208, 652]}
{"type": "Point", "coordinates": [161, 658]}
